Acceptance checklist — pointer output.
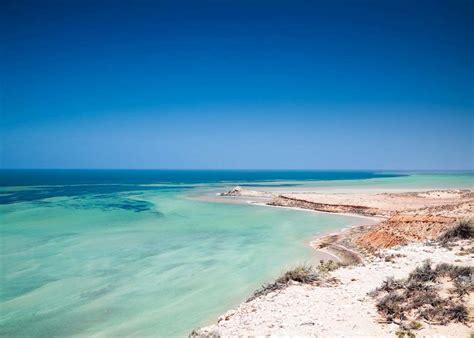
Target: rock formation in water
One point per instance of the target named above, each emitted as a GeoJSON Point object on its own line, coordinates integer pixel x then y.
{"type": "Point", "coordinates": [236, 191]}
{"type": "Point", "coordinates": [239, 191]}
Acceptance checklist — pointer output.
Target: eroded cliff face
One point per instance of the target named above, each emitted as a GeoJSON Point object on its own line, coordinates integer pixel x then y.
{"type": "Point", "coordinates": [402, 229]}
{"type": "Point", "coordinates": [284, 201]}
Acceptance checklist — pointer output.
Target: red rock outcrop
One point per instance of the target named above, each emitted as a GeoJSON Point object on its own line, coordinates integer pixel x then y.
{"type": "Point", "coordinates": [402, 229]}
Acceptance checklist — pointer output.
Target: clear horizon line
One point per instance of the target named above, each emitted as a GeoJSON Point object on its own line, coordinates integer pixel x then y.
{"type": "Point", "coordinates": [245, 169]}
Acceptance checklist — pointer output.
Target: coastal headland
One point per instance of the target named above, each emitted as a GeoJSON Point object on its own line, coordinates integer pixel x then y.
{"type": "Point", "coordinates": [399, 232]}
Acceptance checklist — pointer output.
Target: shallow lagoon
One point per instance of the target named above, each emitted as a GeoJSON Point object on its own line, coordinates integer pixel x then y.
{"type": "Point", "coordinates": [141, 260]}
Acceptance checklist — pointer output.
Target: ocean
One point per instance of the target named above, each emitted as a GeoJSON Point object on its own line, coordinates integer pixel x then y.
{"type": "Point", "coordinates": [137, 253]}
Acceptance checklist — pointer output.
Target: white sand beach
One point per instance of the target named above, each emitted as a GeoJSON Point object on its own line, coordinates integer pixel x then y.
{"type": "Point", "coordinates": [342, 310]}
{"type": "Point", "coordinates": [401, 225]}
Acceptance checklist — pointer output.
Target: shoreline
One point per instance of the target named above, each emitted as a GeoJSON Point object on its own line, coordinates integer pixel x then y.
{"type": "Point", "coordinates": [337, 248]}
{"type": "Point", "coordinates": [343, 309]}
{"type": "Point", "coordinates": [371, 209]}
{"type": "Point", "coordinates": [333, 243]}
{"type": "Point", "coordinates": [320, 254]}
{"type": "Point", "coordinates": [348, 214]}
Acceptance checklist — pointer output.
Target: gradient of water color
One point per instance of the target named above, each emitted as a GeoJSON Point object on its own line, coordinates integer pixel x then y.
{"type": "Point", "coordinates": [138, 256]}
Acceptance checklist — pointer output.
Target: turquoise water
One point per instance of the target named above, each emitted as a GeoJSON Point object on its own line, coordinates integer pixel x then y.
{"type": "Point", "coordinates": [407, 181]}
{"type": "Point", "coordinates": [404, 180]}
{"type": "Point", "coordinates": [131, 259]}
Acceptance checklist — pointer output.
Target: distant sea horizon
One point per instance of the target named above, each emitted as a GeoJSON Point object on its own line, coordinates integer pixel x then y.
{"type": "Point", "coordinates": [32, 176]}
{"type": "Point", "coordinates": [12, 177]}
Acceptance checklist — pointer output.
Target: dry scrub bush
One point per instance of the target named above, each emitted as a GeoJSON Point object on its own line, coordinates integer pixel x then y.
{"type": "Point", "coordinates": [418, 296]}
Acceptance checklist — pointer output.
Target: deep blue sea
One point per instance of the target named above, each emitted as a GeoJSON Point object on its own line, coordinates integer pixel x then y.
{"type": "Point", "coordinates": [17, 177]}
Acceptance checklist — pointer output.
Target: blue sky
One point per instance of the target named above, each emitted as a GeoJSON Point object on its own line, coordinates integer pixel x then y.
{"type": "Point", "coordinates": [237, 84]}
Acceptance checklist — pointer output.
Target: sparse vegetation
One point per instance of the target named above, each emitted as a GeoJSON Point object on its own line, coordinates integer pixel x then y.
{"type": "Point", "coordinates": [466, 252]}
{"type": "Point", "coordinates": [390, 284]}
{"type": "Point", "coordinates": [463, 286]}
{"type": "Point", "coordinates": [419, 298]}
{"type": "Point", "coordinates": [391, 306]}
{"type": "Point", "coordinates": [457, 313]}
{"type": "Point", "coordinates": [423, 274]}
{"type": "Point", "coordinates": [196, 334]}
{"type": "Point", "coordinates": [302, 274]}
{"type": "Point", "coordinates": [404, 333]}
{"type": "Point", "coordinates": [391, 258]}
{"type": "Point", "coordinates": [414, 325]}
{"type": "Point", "coordinates": [328, 266]}
{"type": "Point", "coordinates": [463, 230]}
{"type": "Point", "coordinates": [406, 329]}
{"type": "Point", "coordinates": [454, 271]}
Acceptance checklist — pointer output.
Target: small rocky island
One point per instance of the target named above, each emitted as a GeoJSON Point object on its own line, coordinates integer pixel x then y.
{"type": "Point", "coordinates": [239, 191]}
